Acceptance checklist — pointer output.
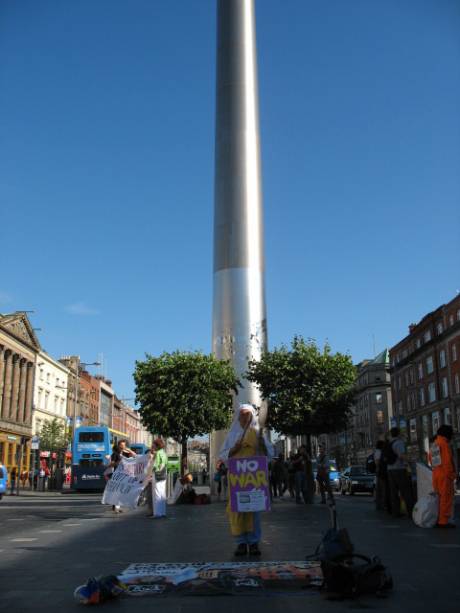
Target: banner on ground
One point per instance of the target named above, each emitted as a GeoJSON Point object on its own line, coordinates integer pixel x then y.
{"type": "Point", "coordinates": [127, 482]}
{"type": "Point", "coordinates": [205, 578]}
{"type": "Point", "coordinates": [248, 483]}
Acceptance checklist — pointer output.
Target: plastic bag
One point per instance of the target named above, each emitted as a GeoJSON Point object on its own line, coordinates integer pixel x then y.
{"type": "Point", "coordinates": [425, 513]}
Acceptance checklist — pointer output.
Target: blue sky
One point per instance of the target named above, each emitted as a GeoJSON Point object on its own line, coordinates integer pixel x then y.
{"type": "Point", "coordinates": [106, 171]}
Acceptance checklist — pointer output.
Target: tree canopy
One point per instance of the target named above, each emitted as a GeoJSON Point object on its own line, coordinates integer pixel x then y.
{"type": "Point", "coordinates": [308, 390]}
{"type": "Point", "coordinates": [185, 394]}
{"type": "Point", "coordinates": [52, 435]}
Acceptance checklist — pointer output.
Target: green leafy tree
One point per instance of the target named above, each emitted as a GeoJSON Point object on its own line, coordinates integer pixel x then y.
{"type": "Point", "coordinates": [308, 390]}
{"type": "Point", "coordinates": [185, 394]}
{"type": "Point", "coordinates": [52, 435]}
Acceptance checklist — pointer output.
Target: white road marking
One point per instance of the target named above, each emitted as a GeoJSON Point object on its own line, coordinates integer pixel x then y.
{"type": "Point", "coordinates": [49, 531]}
{"type": "Point", "coordinates": [23, 540]}
{"type": "Point", "coordinates": [67, 525]}
{"type": "Point", "coordinates": [16, 519]}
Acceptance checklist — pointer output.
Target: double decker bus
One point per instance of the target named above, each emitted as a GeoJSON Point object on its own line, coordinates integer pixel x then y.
{"type": "Point", "coordinates": [91, 449]}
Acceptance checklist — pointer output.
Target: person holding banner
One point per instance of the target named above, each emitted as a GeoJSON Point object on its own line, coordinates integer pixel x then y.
{"type": "Point", "coordinates": [119, 450]}
{"type": "Point", "coordinates": [244, 440]}
{"type": "Point", "coordinates": [160, 462]}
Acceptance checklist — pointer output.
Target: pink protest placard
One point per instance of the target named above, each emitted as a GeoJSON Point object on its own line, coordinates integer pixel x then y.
{"type": "Point", "coordinates": [248, 483]}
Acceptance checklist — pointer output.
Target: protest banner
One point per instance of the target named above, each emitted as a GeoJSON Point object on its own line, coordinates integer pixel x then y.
{"type": "Point", "coordinates": [127, 482]}
{"type": "Point", "coordinates": [248, 483]}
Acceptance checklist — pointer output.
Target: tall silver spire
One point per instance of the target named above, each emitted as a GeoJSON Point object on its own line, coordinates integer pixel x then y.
{"type": "Point", "coordinates": [239, 318]}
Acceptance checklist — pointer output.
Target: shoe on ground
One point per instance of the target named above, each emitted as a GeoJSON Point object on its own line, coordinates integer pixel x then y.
{"type": "Point", "coordinates": [254, 549]}
{"type": "Point", "coordinates": [241, 550]}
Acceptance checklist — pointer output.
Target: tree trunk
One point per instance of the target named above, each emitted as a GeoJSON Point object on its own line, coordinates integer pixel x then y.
{"type": "Point", "coordinates": [183, 461]}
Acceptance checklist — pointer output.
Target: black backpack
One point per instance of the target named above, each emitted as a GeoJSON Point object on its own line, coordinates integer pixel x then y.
{"type": "Point", "coordinates": [388, 453]}
{"type": "Point", "coordinates": [355, 575]}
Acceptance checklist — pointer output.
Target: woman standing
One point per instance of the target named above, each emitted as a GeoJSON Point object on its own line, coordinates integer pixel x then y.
{"type": "Point", "coordinates": [119, 450]}
{"type": "Point", "coordinates": [244, 440]}
{"type": "Point", "coordinates": [160, 462]}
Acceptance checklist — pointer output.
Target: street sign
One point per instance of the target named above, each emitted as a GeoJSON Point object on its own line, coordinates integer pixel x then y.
{"type": "Point", "coordinates": [35, 444]}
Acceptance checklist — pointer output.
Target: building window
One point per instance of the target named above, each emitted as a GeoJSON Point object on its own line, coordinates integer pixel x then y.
{"type": "Point", "coordinates": [56, 404]}
{"type": "Point", "coordinates": [380, 418]}
{"type": "Point", "coordinates": [41, 374]}
{"type": "Point", "coordinates": [411, 376]}
{"type": "Point", "coordinates": [399, 383]}
{"type": "Point", "coordinates": [406, 378]}
{"type": "Point", "coordinates": [418, 343]}
{"type": "Point", "coordinates": [454, 352]}
{"type": "Point", "coordinates": [425, 425]}
{"type": "Point", "coordinates": [451, 320]}
{"type": "Point", "coordinates": [47, 394]}
{"type": "Point", "coordinates": [420, 371]}
{"type": "Point", "coordinates": [439, 328]}
{"type": "Point", "coordinates": [47, 377]}
{"type": "Point", "coordinates": [435, 421]}
{"type": "Point", "coordinates": [442, 358]}
{"type": "Point", "coordinates": [40, 397]}
{"type": "Point", "coordinates": [421, 395]}
{"type": "Point", "coordinates": [458, 315]}
{"type": "Point", "coordinates": [447, 416]}
{"type": "Point", "coordinates": [413, 430]}
{"type": "Point", "coordinates": [427, 336]}
{"type": "Point", "coordinates": [457, 384]}
{"type": "Point", "coordinates": [378, 398]}
{"type": "Point", "coordinates": [444, 387]}
{"type": "Point", "coordinates": [431, 392]}
{"type": "Point", "coordinates": [429, 364]}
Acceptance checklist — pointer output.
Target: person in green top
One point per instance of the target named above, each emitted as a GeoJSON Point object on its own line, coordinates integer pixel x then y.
{"type": "Point", "coordinates": [160, 461]}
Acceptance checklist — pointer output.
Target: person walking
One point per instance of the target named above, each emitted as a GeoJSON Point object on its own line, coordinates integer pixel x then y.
{"type": "Point", "coordinates": [160, 462]}
{"type": "Point", "coordinates": [323, 467]}
{"type": "Point", "coordinates": [13, 479]}
{"type": "Point", "coordinates": [221, 479]}
{"type": "Point", "coordinates": [277, 476]}
{"type": "Point", "coordinates": [382, 489]}
{"type": "Point", "coordinates": [291, 474]}
{"type": "Point", "coordinates": [398, 476]}
{"type": "Point", "coordinates": [245, 440]}
{"type": "Point", "coordinates": [300, 475]}
{"type": "Point", "coordinates": [444, 475]}
{"type": "Point", "coordinates": [119, 450]}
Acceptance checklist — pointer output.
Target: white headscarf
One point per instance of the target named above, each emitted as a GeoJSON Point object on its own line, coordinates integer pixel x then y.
{"type": "Point", "coordinates": [236, 432]}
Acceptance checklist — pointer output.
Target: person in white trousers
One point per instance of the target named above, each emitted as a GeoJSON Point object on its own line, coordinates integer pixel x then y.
{"type": "Point", "coordinates": [160, 461]}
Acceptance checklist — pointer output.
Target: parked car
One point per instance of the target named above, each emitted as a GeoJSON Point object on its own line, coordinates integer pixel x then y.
{"type": "Point", "coordinates": [356, 479]}
{"type": "Point", "coordinates": [3, 480]}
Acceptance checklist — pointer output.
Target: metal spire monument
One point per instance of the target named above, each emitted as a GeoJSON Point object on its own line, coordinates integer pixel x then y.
{"type": "Point", "coordinates": [239, 318]}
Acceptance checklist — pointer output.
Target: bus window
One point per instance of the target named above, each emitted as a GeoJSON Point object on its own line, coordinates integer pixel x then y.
{"type": "Point", "coordinates": [90, 437]}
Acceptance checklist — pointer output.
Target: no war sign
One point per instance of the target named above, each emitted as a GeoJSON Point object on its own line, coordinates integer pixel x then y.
{"type": "Point", "coordinates": [248, 484]}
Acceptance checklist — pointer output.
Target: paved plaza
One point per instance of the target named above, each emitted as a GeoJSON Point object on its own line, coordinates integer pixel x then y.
{"type": "Point", "coordinates": [51, 543]}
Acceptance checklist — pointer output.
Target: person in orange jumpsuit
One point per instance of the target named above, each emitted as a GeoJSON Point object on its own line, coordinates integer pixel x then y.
{"type": "Point", "coordinates": [444, 474]}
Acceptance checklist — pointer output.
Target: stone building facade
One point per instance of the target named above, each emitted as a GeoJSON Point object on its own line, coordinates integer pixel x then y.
{"type": "Point", "coordinates": [370, 417]}
{"type": "Point", "coordinates": [50, 392]}
{"type": "Point", "coordinates": [19, 347]}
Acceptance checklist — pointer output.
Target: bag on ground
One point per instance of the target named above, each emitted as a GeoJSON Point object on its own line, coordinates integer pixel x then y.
{"type": "Point", "coordinates": [425, 513]}
{"type": "Point", "coordinates": [355, 575]}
